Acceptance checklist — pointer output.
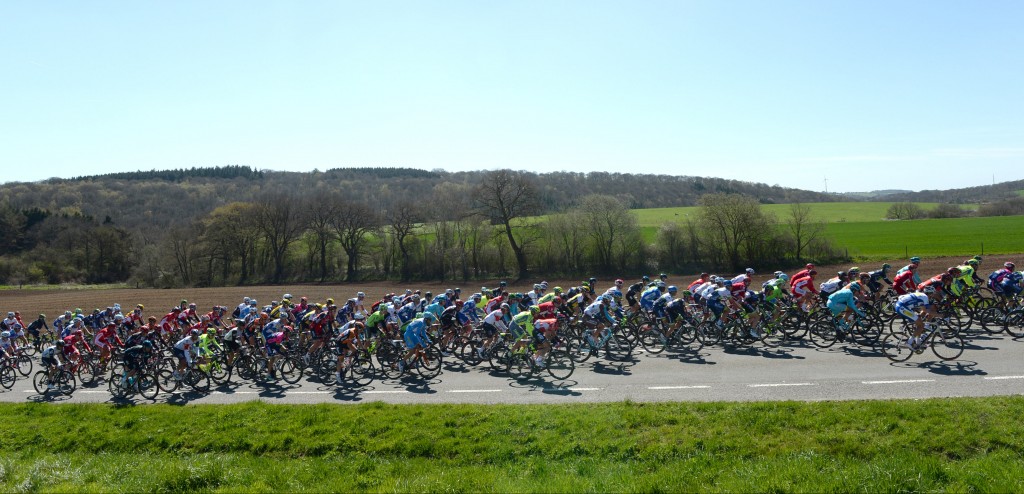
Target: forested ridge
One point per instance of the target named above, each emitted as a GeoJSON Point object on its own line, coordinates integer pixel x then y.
{"type": "Point", "coordinates": [237, 225]}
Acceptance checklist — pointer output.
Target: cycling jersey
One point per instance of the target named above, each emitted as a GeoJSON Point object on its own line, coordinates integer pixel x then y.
{"type": "Point", "coordinates": [831, 285]}
{"type": "Point", "coordinates": [521, 323]}
{"type": "Point", "coordinates": [546, 298]}
{"type": "Point", "coordinates": [416, 334]}
{"type": "Point", "coordinates": [598, 312]}
{"type": "Point", "coordinates": [207, 343]}
{"type": "Point", "coordinates": [905, 282]}
{"type": "Point", "coordinates": [103, 337]}
{"type": "Point", "coordinates": [804, 286]}
{"type": "Point", "coordinates": [185, 348]}
{"type": "Point", "coordinates": [648, 297]}
{"type": "Point", "coordinates": [907, 305]}
{"type": "Point", "coordinates": [904, 269]}
{"type": "Point", "coordinates": [841, 300]}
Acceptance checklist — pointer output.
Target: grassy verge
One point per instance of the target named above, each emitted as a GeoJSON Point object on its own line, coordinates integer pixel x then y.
{"type": "Point", "coordinates": [958, 444]}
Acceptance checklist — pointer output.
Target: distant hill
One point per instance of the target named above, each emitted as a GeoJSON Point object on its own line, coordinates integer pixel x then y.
{"type": "Point", "coordinates": [968, 195]}
{"type": "Point", "coordinates": [875, 194]}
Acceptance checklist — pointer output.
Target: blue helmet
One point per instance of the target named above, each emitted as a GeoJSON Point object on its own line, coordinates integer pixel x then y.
{"type": "Point", "coordinates": [672, 289]}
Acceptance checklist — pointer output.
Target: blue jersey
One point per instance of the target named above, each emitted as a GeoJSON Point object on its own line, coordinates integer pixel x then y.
{"type": "Point", "coordinates": [913, 301]}
{"type": "Point", "coordinates": [648, 297]}
{"type": "Point", "coordinates": [842, 299]}
{"type": "Point", "coordinates": [435, 308]}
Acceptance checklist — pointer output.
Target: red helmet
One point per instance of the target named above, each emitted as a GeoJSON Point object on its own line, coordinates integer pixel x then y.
{"type": "Point", "coordinates": [809, 266]}
{"type": "Point", "coordinates": [1009, 265]}
{"type": "Point", "coordinates": [619, 282]}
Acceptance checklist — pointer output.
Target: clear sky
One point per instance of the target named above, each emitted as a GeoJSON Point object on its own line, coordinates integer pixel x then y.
{"type": "Point", "coordinates": [869, 94]}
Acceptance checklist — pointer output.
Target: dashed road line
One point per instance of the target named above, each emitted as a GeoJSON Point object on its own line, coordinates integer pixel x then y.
{"type": "Point", "coordinates": [584, 389]}
{"type": "Point", "coordinates": [994, 378]}
{"type": "Point", "coordinates": [773, 385]}
{"type": "Point", "coordinates": [658, 388]}
{"type": "Point", "coordinates": [900, 381]}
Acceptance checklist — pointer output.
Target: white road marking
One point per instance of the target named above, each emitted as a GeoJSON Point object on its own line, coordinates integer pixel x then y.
{"type": "Point", "coordinates": [584, 389]}
{"type": "Point", "coordinates": [1004, 377]}
{"type": "Point", "coordinates": [677, 387]}
{"type": "Point", "coordinates": [772, 385]}
{"type": "Point", "coordinates": [474, 391]}
{"type": "Point", "coordinates": [900, 381]}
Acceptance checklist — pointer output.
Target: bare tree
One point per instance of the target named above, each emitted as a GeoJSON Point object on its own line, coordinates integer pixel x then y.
{"type": "Point", "coordinates": [732, 222]}
{"type": "Point", "coordinates": [281, 220]}
{"type": "Point", "coordinates": [402, 217]}
{"type": "Point", "coordinates": [321, 210]}
{"type": "Point", "coordinates": [353, 221]}
{"type": "Point", "coordinates": [803, 228]}
{"type": "Point", "coordinates": [504, 196]}
{"type": "Point", "coordinates": [608, 222]}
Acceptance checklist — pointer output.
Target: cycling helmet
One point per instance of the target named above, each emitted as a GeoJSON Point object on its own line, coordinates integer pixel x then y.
{"type": "Point", "coordinates": [1009, 265]}
{"type": "Point", "coordinates": [750, 271]}
{"type": "Point", "coordinates": [429, 316]}
{"type": "Point", "coordinates": [686, 293]}
{"type": "Point", "coordinates": [605, 300]}
{"type": "Point", "coordinates": [183, 302]}
{"type": "Point", "coordinates": [727, 282]}
{"type": "Point", "coordinates": [264, 316]}
{"type": "Point", "coordinates": [458, 303]}
{"type": "Point", "coordinates": [61, 342]}
{"type": "Point", "coordinates": [359, 316]}
{"type": "Point", "coordinates": [973, 263]}
{"type": "Point", "coordinates": [783, 276]}
{"type": "Point", "coordinates": [673, 289]}
{"type": "Point", "coordinates": [946, 278]}
{"type": "Point", "coordinates": [428, 295]}
{"type": "Point", "coordinates": [42, 316]}
{"type": "Point", "coordinates": [809, 266]}
{"type": "Point", "coordinates": [557, 300]}
{"type": "Point", "coordinates": [253, 303]}
{"type": "Point", "coordinates": [619, 282]}
{"type": "Point", "coordinates": [145, 343]}
{"type": "Point", "coordinates": [10, 314]}
{"type": "Point", "coordinates": [544, 285]}
{"type": "Point", "coordinates": [661, 284]}
{"type": "Point", "coordinates": [646, 278]}
{"type": "Point", "coordinates": [854, 286]}
{"type": "Point", "coordinates": [776, 274]}
{"type": "Point", "coordinates": [616, 292]}
{"type": "Point", "coordinates": [503, 283]}
{"type": "Point", "coordinates": [558, 290]}
{"type": "Point", "coordinates": [516, 295]}
{"type": "Point", "coordinates": [119, 318]}
{"type": "Point", "coordinates": [663, 276]}
{"type": "Point", "coordinates": [117, 307]}
{"type": "Point", "coordinates": [534, 309]}
{"type": "Point", "coordinates": [211, 330]}
{"type": "Point", "coordinates": [458, 290]}
{"type": "Point", "coordinates": [476, 297]}
{"type": "Point", "coordinates": [592, 280]}
{"type": "Point", "coordinates": [140, 307]}
{"type": "Point", "coordinates": [841, 274]}
{"type": "Point", "coordinates": [67, 313]}
{"type": "Point", "coordinates": [915, 260]}
{"type": "Point", "coordinates": [195, 332]}
{"type": "Point", "coordinates": [245, 300]}
{"type": "Point", "coordinates": [360, 295]}
{"type": "Point", "coordinates": [536, 286]}
{"type": "Point", "coordinates": [854, 270]}
{"type": "Point", "coordinates": [287, 296]}
{"type": "Point", "coordinates": [928, 289]}
{"type": "Point", "coordinates": [505, 306]}
{"type": "Point", "coordinates": [886, 267]}
{"type": "Point", "coordinates": [5, 335]}
{"type": "Point", "coordinates": [977, 258]}
{"type": "Point", "coordinates": [812, 272]}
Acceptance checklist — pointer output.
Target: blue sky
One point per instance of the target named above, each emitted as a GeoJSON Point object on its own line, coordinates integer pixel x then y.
{"type": "Point", "coordinates": [868, 94]}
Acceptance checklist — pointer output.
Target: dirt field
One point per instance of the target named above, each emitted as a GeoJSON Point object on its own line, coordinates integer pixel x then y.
{"type": "Point", "coordinates": [158, 302]}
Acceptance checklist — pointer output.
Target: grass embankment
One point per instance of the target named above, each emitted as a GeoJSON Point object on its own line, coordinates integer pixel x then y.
{"type": "Point", "coordinates": [959, 445]}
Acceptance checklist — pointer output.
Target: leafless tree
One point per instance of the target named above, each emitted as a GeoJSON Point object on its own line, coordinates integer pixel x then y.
{"type": "Point", "coordinates": [402, 217]}
{"type": "Point", "coordinates": [504, 196]}
{"type": "Point", "coordinates": [803, 229]}
{"type": "Point", "coordinates": [353, 221]}
{"type": "Point", "coordinates": [280, 219]}
{"type": "Point", "coordinates": [321, 210]}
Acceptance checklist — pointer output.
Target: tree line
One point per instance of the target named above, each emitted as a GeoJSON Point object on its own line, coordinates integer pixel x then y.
{"type": "Point", "coordinates": [451, 231]}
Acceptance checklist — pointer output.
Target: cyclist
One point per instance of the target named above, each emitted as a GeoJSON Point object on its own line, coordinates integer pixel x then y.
{"type": "Point", "coordinates": [134, 358]}
{"type": "Point", "coordinates": [832, 285]}
{"type": "Point", "coordinates": [185, 350]}
{"type": "Point", "coordinates": [106, 337]}
{"type": "Point", "coordinates": [800, 274]}
{"type": "Point", "coordinates": [699, 281]}
{"type": "Point", "coordinates": [543, 334]}
{"type": "Point", "coordinates": [842, 303]}
{"type": "Point", "coordinates": [967, 277]}
{"type": "Point", "coordinates": [274, 334]}
{"type": "Point", "coordinates": [906, 281]}
{"type": "Point", "coordinates": [345, 346]}
{"type": "Point", "coordinates": [650, 295]}
{"type": "Point", "coordinates": [876, 277]}
{"type": "Point", "coordinates": [208, 344]}
{"type": "Point", "coordinates": [231, 343]}
{"type": "Point", "coordinates": [51, 360]}
{"type": "Point", "coordinates": [940, 282]}
{"type": "Point", "coordinates": [416, 338]}
{"type": "Point", "coordinates": [596, 317]}
{"type": "Point", "coordinates": [494, 323]}
{"type": "Point", "coordinates": [634, 290]}
{"type": "Point", "coordinates": [1006, 283]}
{"type": "Point", "coordinates": [915, 262]}
{"type": "Point", "coordinates": [35, 326]}
{"type": "Point", "coordinates": [804, 292]}
{"type": "Point", "coordinates": [917, 307]}
{"type": "Point", "coordinates": [522, 324]}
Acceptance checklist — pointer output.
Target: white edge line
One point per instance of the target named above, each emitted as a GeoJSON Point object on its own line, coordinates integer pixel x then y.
{"type": "Point", "coordinates": [1004, 377]}
{"type": "Point", "coordinates": [772, 385]}
{"type": "Point", "coordinates": [900, 381]}
{"type": "Point", "coordinates": [584, 389]}
{"type": "Point", "coordinates": [677, 387]}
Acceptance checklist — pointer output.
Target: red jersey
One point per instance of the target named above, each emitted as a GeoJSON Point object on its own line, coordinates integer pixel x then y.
{"type": "Point", "coordinates": [903, 283]}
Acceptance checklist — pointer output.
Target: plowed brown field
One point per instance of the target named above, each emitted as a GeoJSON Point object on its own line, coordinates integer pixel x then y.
{"type": "Point", "coordinates": [159, 301]}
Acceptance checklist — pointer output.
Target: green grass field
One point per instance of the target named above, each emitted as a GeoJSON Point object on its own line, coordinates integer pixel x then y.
{"type": "Point", "coordinates": [829, 212]}
{"type": "Point", "coordinates": [942, 237]}
{"type": "Point", "coordinates": [910, 445]}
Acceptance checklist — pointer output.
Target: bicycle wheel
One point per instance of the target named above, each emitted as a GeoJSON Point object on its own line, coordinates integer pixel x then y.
{"type": "Point", "coordinates": [66, 382]}
{"type": "Point", "coordinates": [197, 380]}
{"type": "Point", "coordinates": [947, 347]}
{"type": "Point", "coordinates": [290, 369]}
{"type": "Point", "coordinates": [1015, 323]}
{"type": "Point", "coordinates": [246, 366]}
{"type": "Point", "coordinates": [685, 335]}
{"type": "Point", "coordinates": [29, 350]}
{"type": "Point", "coordinates": [24, 365]}
{"type": "Point", "coordinates": [7, 377]}
{"type": "Point", "coordinates": [992, 320]}
{"type": "Point", "coordinates": [520, 367]}
{"type": "Point", "coordinates": [895, 348]}
{"type": "Point", "coordinates": [219, 372]}
{"type": "Point", "coordinates": [389, 357]}
{"type": "Point", "coordinates": [559, 365]}
{"type": "Point", "coordinates": [867, 332]}
{"type": "Point", "coordinates": [823, 334]}
{"type": "Point", "coordinates": [362, 371]}
{"type": "Point", "coordinates": [39, 382]}
{"type": "Point", "coordinates": [87, 373]}
{"type": "Point", "coordinates": [581, 350]}
{"type": "Point", "coordinates": [118, 387]}
{"type": "Point", "coordinates": [772, 335]}
{"type": "Point", "coordinates": [430, 362]}
{"type": "Point", "coordinates": [710, 333]}
{"type": "Point", "coordinates": [468, 353]}
{"type": "Point", "coordinates": [147, 386]}
{"type": "Point", "coordinates": [501, 358]}
{"type": "Point", "coordinates": [617, 348]}
{"type": "Point", "coordinates": [327, 366]}
{"type": "Point", "coordinates": [166, 382]}
{"type": "Point", "coordinates": [652, 338]}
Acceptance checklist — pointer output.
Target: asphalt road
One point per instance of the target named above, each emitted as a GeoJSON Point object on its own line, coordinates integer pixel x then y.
{"type": "Point", "coordinates": [990, 365]}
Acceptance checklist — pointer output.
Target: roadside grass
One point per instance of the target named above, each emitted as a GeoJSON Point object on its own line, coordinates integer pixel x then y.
{"type": "Point", "coordinates": [920, 445]}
